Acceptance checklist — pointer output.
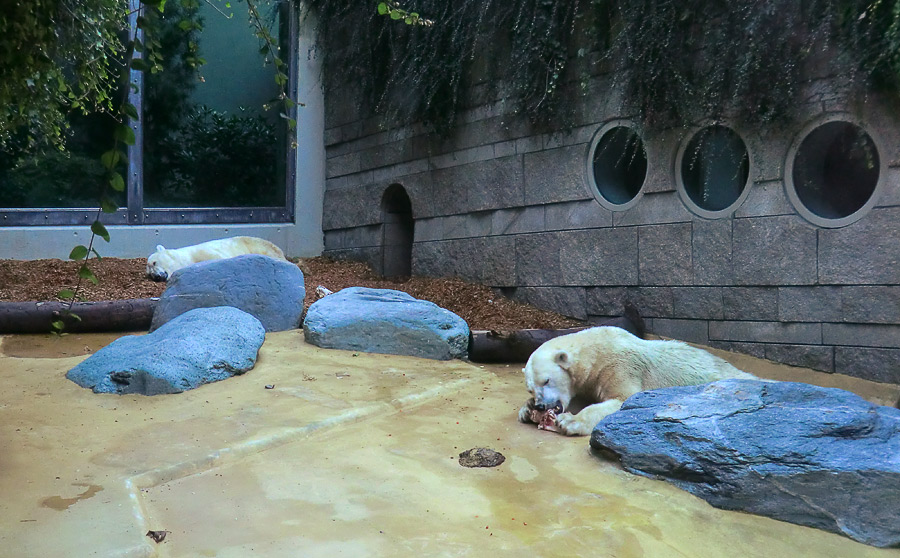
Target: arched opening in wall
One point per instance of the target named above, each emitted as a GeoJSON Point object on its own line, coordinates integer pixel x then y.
{"type": "Point", "coordinates": [832, 173]}
{"type": "Point", "coordinates": [617, 165]}
{"type": "Point", "coordinates": [397, 232]}
{"type": "Point", "coordinates": [712, 171]}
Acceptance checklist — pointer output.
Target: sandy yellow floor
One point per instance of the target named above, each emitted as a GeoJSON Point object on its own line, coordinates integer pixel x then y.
{"type": "Point", "coordinates": [348, 455]}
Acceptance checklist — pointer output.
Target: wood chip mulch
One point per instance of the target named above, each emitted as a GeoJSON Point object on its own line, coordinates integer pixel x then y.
{"type": "Point", "coordinates": [22, 281]}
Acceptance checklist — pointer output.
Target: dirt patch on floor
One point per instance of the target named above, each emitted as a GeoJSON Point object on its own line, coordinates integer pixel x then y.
{"type": "Point", "coordinates": [481, 307]}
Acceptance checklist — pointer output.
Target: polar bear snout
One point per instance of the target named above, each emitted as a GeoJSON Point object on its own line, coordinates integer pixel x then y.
{"type": "Point", "coordinates": [158, 276]}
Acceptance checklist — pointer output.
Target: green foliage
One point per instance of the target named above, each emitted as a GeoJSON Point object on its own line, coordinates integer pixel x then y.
{"type": "Point", "coordinates": [676, 61]}
{"type": "Point", "coordinates": [213, 159]}
{"type": "Point", "coordinates": [56, 56]}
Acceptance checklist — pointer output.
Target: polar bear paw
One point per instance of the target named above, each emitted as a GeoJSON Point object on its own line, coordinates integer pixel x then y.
{"type": "Point", "coordinates": [573, 425]}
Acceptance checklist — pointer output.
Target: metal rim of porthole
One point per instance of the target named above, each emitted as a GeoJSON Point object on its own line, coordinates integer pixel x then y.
{"type": "Point", "coordinates": [590, 174]}
{"type": "Point", "coordinates": [790, 187]}
{"type": "Point", "coordinates": [680, 187]}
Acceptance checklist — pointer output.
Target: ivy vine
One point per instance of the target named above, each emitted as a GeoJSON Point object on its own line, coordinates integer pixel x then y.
{"type": "Point", "coordinates": [676, 61]}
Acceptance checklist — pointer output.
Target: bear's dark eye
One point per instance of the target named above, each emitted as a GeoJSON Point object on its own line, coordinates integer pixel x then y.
{"type": "Point", "coordinates": [547, 381]}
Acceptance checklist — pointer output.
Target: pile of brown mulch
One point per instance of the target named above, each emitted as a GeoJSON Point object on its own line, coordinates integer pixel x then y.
{"type": "Point", "coordinates": [22, 281]}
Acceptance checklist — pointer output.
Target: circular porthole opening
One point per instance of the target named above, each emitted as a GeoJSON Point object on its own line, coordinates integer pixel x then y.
{"type": "Point", "coordinates": [834, 174]}
{"type": "Point", "coordinates": [617, 166]}
{"type": "Point", "coordinates": [714, 168]}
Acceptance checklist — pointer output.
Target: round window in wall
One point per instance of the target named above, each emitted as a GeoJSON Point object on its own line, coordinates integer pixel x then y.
{"type": "Point", "coordinates": [617, 165]}
{"type": "Point", "coordinates": [832, 173]}
{"type": "Point", "coordinates": [713, 169]}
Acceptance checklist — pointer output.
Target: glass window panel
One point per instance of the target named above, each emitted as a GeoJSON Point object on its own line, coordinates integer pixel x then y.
{"type": "Point", "coordinates": [208, 140]}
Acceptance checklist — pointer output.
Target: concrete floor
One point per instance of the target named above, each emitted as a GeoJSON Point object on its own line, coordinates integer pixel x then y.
{"type": "Point", "coordinates": [348, 455]}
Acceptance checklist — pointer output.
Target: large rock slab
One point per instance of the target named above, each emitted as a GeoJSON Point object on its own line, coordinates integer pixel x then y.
{"type": "Point", "coordinates": [198, 347]}
{"type": "Point", "coordinates": [270, 289]}
{"type": "Point", "coordinates": [815, 456]}
{"type": "Point", "coordinates": [385, 321]}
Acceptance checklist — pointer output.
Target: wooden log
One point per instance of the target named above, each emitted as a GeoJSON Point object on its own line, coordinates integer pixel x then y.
{"type": "Point", "coordinates": [517, 345]}
{"type": "Point", "coordinates": [112, 315]}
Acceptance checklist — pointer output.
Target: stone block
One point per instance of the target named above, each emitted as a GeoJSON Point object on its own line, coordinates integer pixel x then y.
{"type": "Point", "coordinates": [334, 239]}
{"type": "Point", "coordinates": [429, 229]}
{"type": "Point", "coordinates": [428, 259]}
{"type": "Point", "coordinates": [768, 149]}
{"type": "Point", "coordinates": [767, 332]}
{"type": "Point", "coordinates": [809, 304]}
{"type": "Point", "coordinates": [750, 303]}
{"type": "Point", "coordinates": [556, 175]}
{"type": "Point", "coordinates": [871, 304]}
{"type": "Point", "coordinates": [518, 220]}
{"type": "Point", "coordinates": [774, 251]}
{"type": "Point", "coordinates": [653, 302]}
{"type": "Point", "coordinates": [351, 207]}
{"type": "Point", "coordinates": [361, 237]}
{"type": "Point", "coordinates": [692, 331]}
{"type": "Point", "coordinates": [817, 357]}
{"type": "Point", "coordinates": [711, 251]}
{"type": "Point", "coordinates": [878, 365]}
{"type": "Point", "coordinates": [568, 301]}
{"type": "Point", "coordinates": [599, 257]}
{"type": "Point", "coordinates": [538, 259]}
{"type": "Point", "coordinates": [866, 252]}
{"type": "Point", "coordinates": [482, 185]}
{"type": "Point", "coordinates": [698, 303]}
{"type": "Point", "coordinates": [385, 155]}
{"type": "Point", "coordinates": [764, 200]}
{"type": "Point", "coordinates": [757, 350]}
{"type": "Point", "coordinates": [654, 209]}
{"type": "Point", "coordinates": [418, 187]}
{"type": "Point", "coordinates": [605, 301]}
{"type": "Point", "coordinates": [498, 261]}
{"type": "Point", "coordinates": [342, 165]}
{"type": "Point", "coordinates": [863, 335]}
{"type": "Point", "coordinates": [665, 254]}
{"type": "Point", "coordinates": [587, 214]}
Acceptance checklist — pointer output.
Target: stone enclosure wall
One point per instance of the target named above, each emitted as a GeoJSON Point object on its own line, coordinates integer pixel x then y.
{"type": "Point", "coordinates": [500, 204]}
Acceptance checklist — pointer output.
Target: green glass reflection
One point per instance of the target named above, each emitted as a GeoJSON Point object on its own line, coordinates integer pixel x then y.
{"type": "Point", "coordinates": [208, 140]}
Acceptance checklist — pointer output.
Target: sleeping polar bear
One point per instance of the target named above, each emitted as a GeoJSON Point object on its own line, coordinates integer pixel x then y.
{"type": "Point", "coordinates": [605, 366]}
{"type": "Point", "coordinates": [162, 263]}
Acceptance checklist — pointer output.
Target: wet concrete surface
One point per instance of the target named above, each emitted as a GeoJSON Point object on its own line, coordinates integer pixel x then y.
{"type": "Point", "coordinates": [347, 455]}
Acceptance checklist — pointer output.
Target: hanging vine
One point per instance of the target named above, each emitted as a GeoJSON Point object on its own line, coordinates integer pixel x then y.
{"type": "Point", "coordinates": [677, 61]}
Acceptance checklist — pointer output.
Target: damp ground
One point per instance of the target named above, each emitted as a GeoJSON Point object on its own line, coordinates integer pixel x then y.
{"type": "Point", "coordinates": [323, 453]}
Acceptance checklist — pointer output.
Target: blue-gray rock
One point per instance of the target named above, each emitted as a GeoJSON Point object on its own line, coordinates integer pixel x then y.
{"type": "Point", "coordinates": [385, 321]}
{"type": "Point", "coordinates": [270, 289]}
{"type": "Point", "coordinates": [198, 347]}
{"type": "Point", "coordinates": [815, 456]}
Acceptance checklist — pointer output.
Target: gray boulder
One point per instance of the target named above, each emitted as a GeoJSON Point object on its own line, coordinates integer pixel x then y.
{"type": "Point", "coordinates": [815, 456]}
{"type": "Point", "coordinates": [198, 347]}
{"type": "Point", "coordinates": [385, 321]}
{"type": "Point", "coordinates": [270, 289]}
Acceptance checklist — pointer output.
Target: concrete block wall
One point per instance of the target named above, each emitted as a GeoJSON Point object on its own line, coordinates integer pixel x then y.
{"type": "Point", "coordinates": [502, 205]}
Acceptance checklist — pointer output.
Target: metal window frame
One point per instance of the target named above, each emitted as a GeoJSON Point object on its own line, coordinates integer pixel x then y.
{"type": "Point", "coordinates": [135, 213]}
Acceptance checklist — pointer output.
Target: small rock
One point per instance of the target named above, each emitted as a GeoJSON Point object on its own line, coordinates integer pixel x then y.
{"type": "Point", "coordinates": [481, 457]}
{"type": "Point", "coordinates": [385, 321]}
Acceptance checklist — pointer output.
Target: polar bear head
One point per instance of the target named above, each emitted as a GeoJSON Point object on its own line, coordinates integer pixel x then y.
{"type": "Point", "coordinates": [160, 264]}
{"type": "Point", "coordinates": [548, 377]}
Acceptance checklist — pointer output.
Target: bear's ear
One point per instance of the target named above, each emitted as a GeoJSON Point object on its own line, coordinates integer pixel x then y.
{"type": "Point", "coordinates": [562, 359]}
{"type": "Point", "coordinates": [160, 248]}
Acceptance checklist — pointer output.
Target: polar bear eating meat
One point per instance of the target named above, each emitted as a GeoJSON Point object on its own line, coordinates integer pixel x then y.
{"type": "Point", "coordinates": [605, 366]}
{"type": "Point", "coordinates": [162, 263]}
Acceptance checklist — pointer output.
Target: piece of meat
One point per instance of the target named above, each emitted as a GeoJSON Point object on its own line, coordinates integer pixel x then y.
{"type": "Point", "coordinates": [545, 420]}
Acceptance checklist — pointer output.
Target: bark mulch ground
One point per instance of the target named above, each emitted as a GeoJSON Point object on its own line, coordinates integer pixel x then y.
{"type": "Point", "coordinates": [482, 308]}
